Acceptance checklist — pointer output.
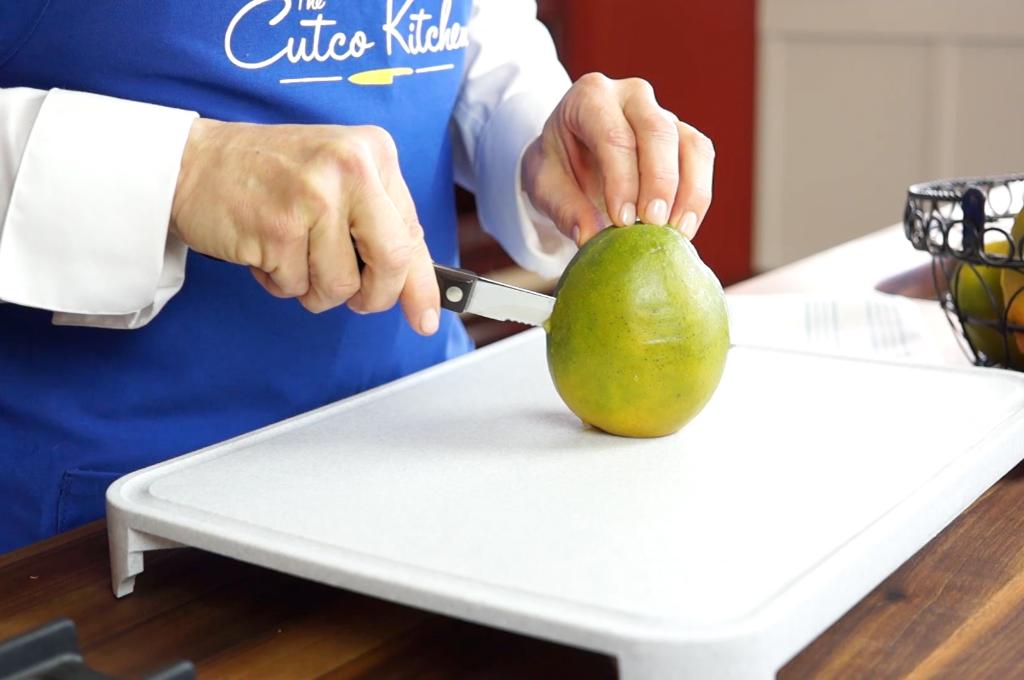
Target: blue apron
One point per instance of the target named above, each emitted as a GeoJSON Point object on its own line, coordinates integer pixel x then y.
{"type": "Point", "coordinates": [81, 406]}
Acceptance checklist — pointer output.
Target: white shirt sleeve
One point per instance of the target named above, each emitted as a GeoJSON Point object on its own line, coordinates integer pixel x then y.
{"type": "Point", "coordinates": [513, 81]}
{"type": "Point", "coordinates": [86, 184]}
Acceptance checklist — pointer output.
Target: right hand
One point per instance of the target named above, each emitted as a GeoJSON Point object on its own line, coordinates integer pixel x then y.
{"type": "Point", "coordinates": [296, 202]}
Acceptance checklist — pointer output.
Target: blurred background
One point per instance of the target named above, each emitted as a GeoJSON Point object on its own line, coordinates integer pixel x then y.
{"type": "Point", "coordinates": [822, 111]}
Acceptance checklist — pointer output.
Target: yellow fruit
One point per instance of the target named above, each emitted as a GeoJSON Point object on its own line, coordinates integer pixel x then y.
{"type": "Point", "coordinates": [1012, 283]}
{"type": "Point", "coordinates": [979, 297]}
{"type": "Point", "coordinates": [639, 334]}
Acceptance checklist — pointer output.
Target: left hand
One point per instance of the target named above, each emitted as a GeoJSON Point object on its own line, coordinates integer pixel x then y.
{"type": "Point", "coordinates": [609, 154]}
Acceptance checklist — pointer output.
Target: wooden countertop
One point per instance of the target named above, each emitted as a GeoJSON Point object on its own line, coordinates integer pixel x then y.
{"type": "Point", "coordinates": [956, 609]}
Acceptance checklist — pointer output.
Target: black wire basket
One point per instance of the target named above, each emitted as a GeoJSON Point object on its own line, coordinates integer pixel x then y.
{"type": "Point", "coordinates": [967, 225]}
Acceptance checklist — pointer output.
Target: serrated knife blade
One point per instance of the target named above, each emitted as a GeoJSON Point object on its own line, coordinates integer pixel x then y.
{"type": "Point", "coordinates": [464, 291]}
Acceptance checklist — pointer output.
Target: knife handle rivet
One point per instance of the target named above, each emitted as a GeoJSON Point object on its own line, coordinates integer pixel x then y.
{"type": "Point", "coordinates": [453, 294]}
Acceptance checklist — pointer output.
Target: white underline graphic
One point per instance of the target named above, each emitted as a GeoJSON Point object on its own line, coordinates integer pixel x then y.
{"type": "Point", "coordinates": [430, 69]}
{"type": "Point", "coordinates": [334, 79]}
{"type": "Point", "coordinates": [322, 79]}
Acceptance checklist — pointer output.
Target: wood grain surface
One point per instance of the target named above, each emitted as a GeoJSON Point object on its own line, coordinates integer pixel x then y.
{"type": "Point", "coordinates": [954, 610]}
{"type": "Point", "coordinates": [234, 620]}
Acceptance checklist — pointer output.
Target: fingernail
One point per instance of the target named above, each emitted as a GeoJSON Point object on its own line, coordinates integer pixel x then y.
{"type": "Point", "coordinates": [575, 234]}
{"type": "Point", "coordinates": [657, 212]}
{"type": "Point", "coordinates": [429, 322]}
{"type": "Point", "coordinates": [689, 224]}
{"type": "Point", "coordinates": [628, 214]}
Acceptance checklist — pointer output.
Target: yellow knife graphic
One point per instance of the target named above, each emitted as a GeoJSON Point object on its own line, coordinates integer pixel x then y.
{"type": "Point", "coordinates": [379, 76]}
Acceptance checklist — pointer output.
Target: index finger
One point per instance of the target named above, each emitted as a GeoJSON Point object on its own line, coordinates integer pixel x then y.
{"type": "Point", "coordinates": [696, 174]}
{"type": "Point", "coordinates": [597, 120]}
{"type": "Point", "coordinates": [420, 297]}
{"type": "Point", "coordinates": [657, 141]}
{"type": "Point", "coordinates": [382, 240]}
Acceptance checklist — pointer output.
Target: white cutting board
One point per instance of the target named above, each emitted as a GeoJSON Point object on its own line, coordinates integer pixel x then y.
{"type": "Point", "coordinates": [718, 552]}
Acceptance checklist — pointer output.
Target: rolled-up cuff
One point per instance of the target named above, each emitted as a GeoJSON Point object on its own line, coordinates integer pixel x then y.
{"type": "Point", "coordinates": [531, 239]}
{"type": "Point", "coordinates": [86, 229]}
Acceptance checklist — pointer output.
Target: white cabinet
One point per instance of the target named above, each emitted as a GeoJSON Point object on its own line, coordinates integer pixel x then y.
{"type": "Point", "coordinates": [859, 98]}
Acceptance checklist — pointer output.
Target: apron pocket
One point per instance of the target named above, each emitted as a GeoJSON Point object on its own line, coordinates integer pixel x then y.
{"type": "Point", "coordinates": [82, 496]}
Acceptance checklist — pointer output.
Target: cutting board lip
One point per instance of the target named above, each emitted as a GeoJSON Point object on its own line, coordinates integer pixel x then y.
{"type": "Point", "coordinates": [454, 594]}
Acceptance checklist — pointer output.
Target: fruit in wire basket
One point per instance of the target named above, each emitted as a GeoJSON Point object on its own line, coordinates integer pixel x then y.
{"type": "Point", "coordinates": [639, 334]}
{"type": "Point", "coordinates": [1012, 283]}
{"type": "Point", "coordinates": [978, 293]}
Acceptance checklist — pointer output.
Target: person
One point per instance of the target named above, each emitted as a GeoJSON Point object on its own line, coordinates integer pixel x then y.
{"type": "Point", "coordinates": [260, 145]}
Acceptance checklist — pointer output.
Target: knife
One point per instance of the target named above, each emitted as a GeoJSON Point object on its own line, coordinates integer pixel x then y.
{"type": "Point", "coordinates": [464, 291]}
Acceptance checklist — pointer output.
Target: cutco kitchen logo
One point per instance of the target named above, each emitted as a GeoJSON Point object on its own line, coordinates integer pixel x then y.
{"type": "Point", "coordinates": [408, 28]}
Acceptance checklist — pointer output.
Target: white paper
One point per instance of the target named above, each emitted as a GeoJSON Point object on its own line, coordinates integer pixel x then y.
{"type": "Point", "coordinates": [874, 325]}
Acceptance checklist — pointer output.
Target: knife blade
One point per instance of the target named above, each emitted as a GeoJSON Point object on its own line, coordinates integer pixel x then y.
{"type": "Point", "coordinates": [464, 291]}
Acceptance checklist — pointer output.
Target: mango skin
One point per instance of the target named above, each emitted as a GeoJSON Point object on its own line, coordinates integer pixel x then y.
{"type": "Point", "coordinates": [979, 296]}
{"type": "Point", "coordinates": [639, 335]}
{"type": "Point", "coordinates": [1012, 283]}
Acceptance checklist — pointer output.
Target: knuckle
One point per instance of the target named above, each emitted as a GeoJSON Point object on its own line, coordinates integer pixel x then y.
{"type": "Point", "coordinates": [284, 228]}
{"type": "Point", "coordinates": [701, 197]}
{"type": "Point", "coordinates": [311, 192]}
{"type": "Point", "coordinates": [620, 138]}
{"type": "Point", "coordinates": [594, 82]}
{"type": "Point", "coordinates": [296, 285]}
{"type": "Point", "coordinates": [639, 86]}
{"type": "Point", "coordinates": [703, 145]}
{"type": "Point", "coordinates": [341, 289]}
{"type": "Point", "coordinates": [341, 154]}
{"type": "Point", "coordinates": [396, 257]}
{"type": "Point", "coordinates": [375, 134]}
{"type": "Point", "coordinates": [331, 149]}
{"type": "Point", "coordinates": [313, 304]}
{"type": "Point", "coordinates": [292, 289]}
{"type": "Point", "coordinates": [379, 140]}
{"type": "Point", "coordinates": [590, 105]}
{"type": "Point", "coordinates": [656, 125]}
{"type": "Point", "coordinates": [249, 251]}
{"type": "Point", "coordinates": [378, 301]}
{"type": "Point", "coordinates": [663, 176]}
{"type": "Point", "coordinates": [357, 161]}
{"type": "Point", "coordinates": [416, 232]}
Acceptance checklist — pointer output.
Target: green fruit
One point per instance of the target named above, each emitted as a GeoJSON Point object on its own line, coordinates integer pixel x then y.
{"type": "Point", "coordinates": [1011, 283]}
{"type": "Point", "coordinates": [639, 334]}
{"type": "Point", "coordinates": [978, 294]}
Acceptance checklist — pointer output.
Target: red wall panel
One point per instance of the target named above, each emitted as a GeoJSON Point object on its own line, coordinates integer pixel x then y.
{"type": "Point", "coordinates": [699, 55]}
